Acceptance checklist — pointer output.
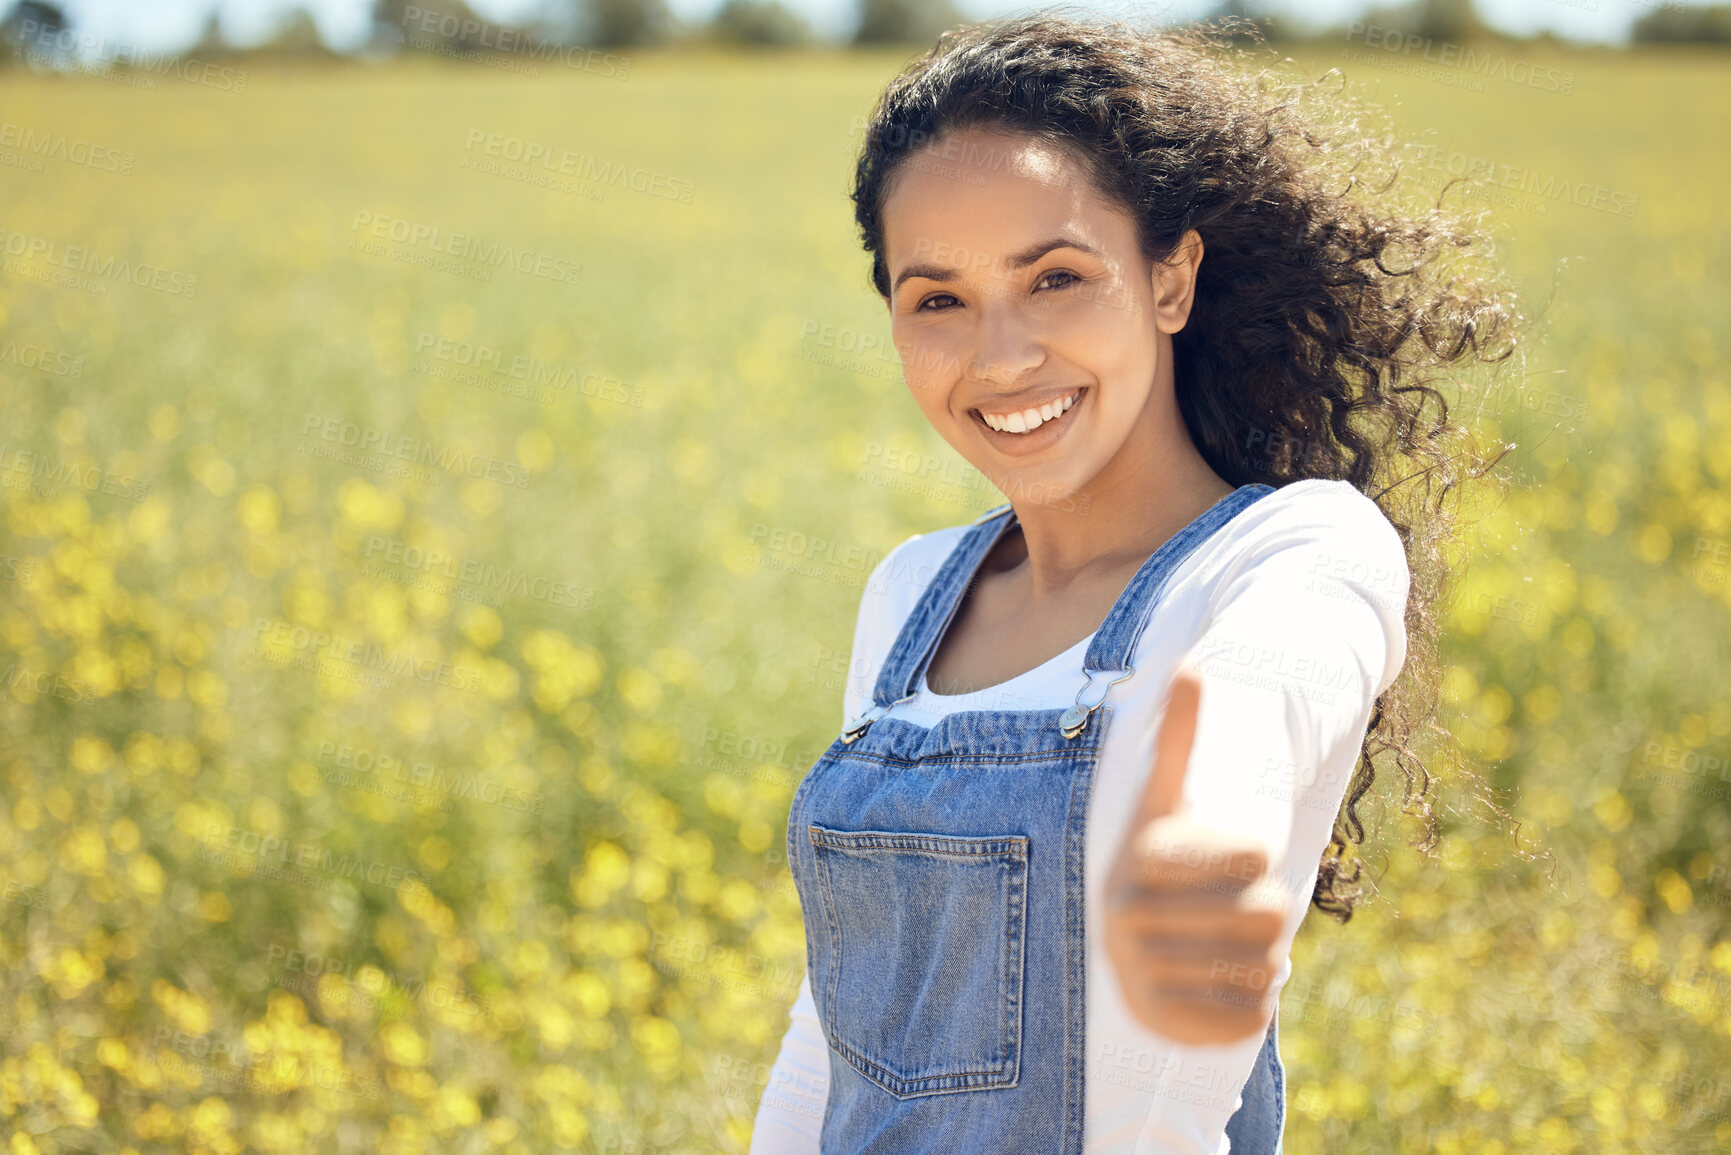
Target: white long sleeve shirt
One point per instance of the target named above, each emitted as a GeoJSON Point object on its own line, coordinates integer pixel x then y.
{"type": "Point", "coordinates": [1294, 611]}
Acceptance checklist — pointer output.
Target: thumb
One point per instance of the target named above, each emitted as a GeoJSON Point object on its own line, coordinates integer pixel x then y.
{"type": "Point", "coordinates": [1164, 792]}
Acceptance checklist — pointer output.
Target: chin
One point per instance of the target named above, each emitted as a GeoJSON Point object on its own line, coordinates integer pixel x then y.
{"type": "Point", "coordinates": [1051, 491]}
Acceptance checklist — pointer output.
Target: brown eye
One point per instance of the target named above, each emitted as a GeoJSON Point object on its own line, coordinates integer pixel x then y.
{"type": "Point", "coordinates": [942, 300]}
{"type": "Point", "coordinates": [1064, 278]}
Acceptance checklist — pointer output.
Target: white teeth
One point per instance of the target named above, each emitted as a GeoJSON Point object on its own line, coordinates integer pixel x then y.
{"type": "Point", "coordinates": [1029, 420]}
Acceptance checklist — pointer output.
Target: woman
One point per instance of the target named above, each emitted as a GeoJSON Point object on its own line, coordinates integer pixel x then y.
{"type": "Point", "coordinates": [1096, 742]}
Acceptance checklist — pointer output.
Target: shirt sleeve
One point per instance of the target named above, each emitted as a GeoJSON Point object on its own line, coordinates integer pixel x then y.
{"type": "Point", "coordinates": [790, 1115]}
{"type": "Point", "coordinates": [1307, 630]}
{"type": "Point", "coordinates": [895, 584]}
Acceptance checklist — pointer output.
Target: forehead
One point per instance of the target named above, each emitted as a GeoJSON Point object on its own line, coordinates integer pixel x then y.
{"type": "Point", "coordinates": [993, 192]}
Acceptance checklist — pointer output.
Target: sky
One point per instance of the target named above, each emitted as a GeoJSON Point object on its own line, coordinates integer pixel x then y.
{"type": "Point", "coordinates": [165, 25]}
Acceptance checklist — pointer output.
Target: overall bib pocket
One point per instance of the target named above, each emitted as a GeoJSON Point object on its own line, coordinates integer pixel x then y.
{"type": "Point", "coordinates": [927, 937]}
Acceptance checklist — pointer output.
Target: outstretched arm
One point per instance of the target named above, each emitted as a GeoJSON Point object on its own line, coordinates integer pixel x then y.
{"type": "Point", "coordinates": [1251, 760]}
{"type": "Point", "coordinates": [790, 1115]}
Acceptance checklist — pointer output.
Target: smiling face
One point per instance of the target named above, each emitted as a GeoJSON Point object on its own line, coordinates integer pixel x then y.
{"type": "Point", "coordinates": [1034, 333]}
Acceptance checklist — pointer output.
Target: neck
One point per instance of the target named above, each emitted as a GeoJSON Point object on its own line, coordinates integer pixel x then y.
{"type": "Point", "coordinates": [1156, 485]}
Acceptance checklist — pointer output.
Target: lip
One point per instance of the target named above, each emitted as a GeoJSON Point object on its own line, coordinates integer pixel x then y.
{"type": "Point", "coordinates": [1021, 444]}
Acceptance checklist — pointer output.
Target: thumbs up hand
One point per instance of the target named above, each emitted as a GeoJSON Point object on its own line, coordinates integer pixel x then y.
{"type": "Point", "coordinates": [1194, 950]}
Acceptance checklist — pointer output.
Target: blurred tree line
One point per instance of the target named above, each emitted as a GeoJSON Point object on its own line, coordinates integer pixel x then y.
{"type": "Point", "coordinates": [1677, 24]}
{"type": "Point", "coordinates": [756, 23]}
{"type": "Point", "coordinates": [34, 29]}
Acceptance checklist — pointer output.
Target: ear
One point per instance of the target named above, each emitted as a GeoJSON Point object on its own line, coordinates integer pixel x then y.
{"type": "Point", "coordinates": [1174, 281]}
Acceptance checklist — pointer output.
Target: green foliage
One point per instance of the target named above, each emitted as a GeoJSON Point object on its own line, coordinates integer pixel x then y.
{"type": "Point", "coordinates": [1446, 20]}
{"type": "Point", "coordinates": [1708, 24]}
{"type": "Point", "coordinates": [762, 23]}
{"type": "Point", "coordinates": [615, 23]}
{"type": "Point", "coordinates": [904, 21]}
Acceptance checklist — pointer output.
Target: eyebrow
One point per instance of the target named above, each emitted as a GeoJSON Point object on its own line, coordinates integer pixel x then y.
{"type": "Point", "coordinates": [944, 274]}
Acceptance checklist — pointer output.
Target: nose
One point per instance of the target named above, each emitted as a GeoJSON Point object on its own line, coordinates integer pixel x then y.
{"type": "Point", "coordinates": [1008, 349]}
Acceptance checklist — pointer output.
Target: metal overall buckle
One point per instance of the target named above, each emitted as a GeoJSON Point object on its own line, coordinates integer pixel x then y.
{"type": "Point", "coordinates": [1074, 720]}
{"type": "Point", "coordinates": [860, 724]}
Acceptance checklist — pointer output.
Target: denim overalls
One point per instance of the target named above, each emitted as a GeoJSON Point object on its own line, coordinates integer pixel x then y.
{"type": "Point", "coordinates": [940, 876]}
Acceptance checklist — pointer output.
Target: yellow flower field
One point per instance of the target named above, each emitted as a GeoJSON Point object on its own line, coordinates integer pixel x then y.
{"type": "Point", "coordinates": [435, 502]}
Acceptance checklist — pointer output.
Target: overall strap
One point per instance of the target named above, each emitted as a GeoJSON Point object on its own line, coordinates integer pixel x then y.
{"type": "Point", "coordinates": [1134, 609]}
{"type": "Point", "coordinates": [899, 678]}
{"type": "Point", "coordinates": [1108, 660]}
{"type": "Point", "coordinates": [1109, 653]}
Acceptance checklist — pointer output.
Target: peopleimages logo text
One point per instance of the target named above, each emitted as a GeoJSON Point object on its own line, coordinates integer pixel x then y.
{"type": "Point", "coordinates": [240, 844]}
{"type": "Point", "coordinates": [57, 146]}
{"type": "Point", "coordinates": [467, 246]}
{"type": "Point", "coordinates": [110, 268]}
{"type": "Point", "coordinates": [581, 166]}
{"type": "Point", "coordinates": [427, 22]}
{"type": "Point", "coordinates": [450, 458]}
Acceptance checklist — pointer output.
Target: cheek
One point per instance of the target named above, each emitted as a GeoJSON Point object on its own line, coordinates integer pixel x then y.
{"type": "Point", "coordinates": [930, 366]}
{"type": "Point", "coordinates": [1114, 343]}
{"type": "Point", "coordinates": [1115, 326]}
{"type": "Point", "coordinates": [933, 398]}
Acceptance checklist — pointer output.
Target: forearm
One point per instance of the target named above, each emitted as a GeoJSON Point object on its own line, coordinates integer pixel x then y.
{"type": "Point", "coordinates": [790, 1115]}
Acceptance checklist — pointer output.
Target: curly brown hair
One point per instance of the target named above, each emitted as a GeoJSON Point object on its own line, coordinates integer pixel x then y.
{"type": "Point", "coordinates": [1324, 311]}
